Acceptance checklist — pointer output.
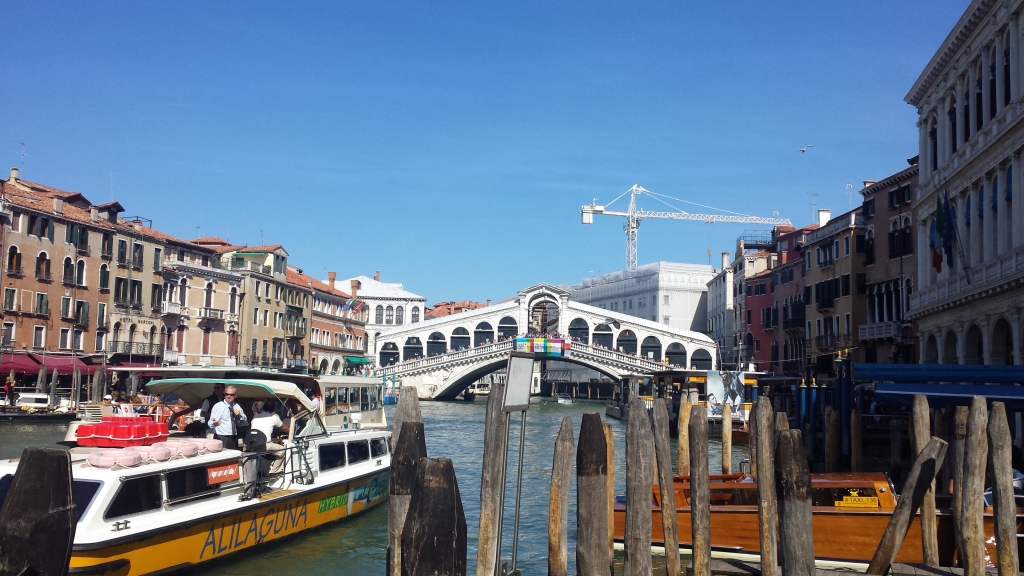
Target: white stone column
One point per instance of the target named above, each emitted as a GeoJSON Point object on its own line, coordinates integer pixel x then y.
{"type": "Point", "coordinates": [922, 143]}
{"type": "Point", "coordinates": [974, 231]}
{"type": "Point", "coordinates": [972, 90]}
{"type": "Point", "coordinates": [960, 138]}
{"type": "Point", "coordinates": [1014, 58]}
{"type": "Point", "coordinates": [1000, 77]}
{"type": "Point", "coordinates": [985, 75]}
{"type": "Point", "coordinates": [942, 131]}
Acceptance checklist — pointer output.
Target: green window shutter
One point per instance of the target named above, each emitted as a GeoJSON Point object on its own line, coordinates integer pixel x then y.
{"type": "Point", "coordinates": [49, 230]}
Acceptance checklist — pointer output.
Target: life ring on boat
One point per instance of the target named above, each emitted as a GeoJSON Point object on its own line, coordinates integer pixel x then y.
{"type": "Point", "coordinates": [156, 454]}
{"type": "Point", "coordinates": [112, 458]}
{"type": "Point", "coordinates": [207, 444]}
{"type": "Point", "coordinates": [179, 447]}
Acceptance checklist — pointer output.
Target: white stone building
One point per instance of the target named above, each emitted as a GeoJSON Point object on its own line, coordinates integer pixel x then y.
{"type": "Point", "coordinates": [721, 299]}
{"type": "Point", "coordinates": [665, 292]}
{"type": "Point", "coordinates": [969, 100]}
{"type": "Point", "coordinates": [389, 304]}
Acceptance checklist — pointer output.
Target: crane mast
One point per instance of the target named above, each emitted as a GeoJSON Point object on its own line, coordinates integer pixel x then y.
{"type": "Point", "coordinates": [634, 216]}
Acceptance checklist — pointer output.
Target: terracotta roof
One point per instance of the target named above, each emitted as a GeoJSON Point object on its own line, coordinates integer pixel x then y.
{"type": "Point", "coordinates": [442, 309]}
{"type": "Point", "coordinates": [263, 248]}
{"type": "Point", "coordinates": [211, 240]}
{"type": "Point", "coordinates": [295, 277]}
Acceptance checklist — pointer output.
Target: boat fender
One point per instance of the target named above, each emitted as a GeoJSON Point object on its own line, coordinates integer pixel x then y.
{"type": "Point", "coordinates": [207, 444]}
{"type": "Point", "coordinates": [179, 448]}
{"type": "Point", "coordinates": [151, 453]}
{"type": "Point", "coordinates": [114, 458]}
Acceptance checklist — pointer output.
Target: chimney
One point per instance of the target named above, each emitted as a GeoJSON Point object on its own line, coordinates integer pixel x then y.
{"type": "Point", "coordinates": [488, 301]}
{"type": "Point", "coordinates": [94, 214]}
{"type": "Point", "coordinates": [376, 275]}
{"type": "Point", "coordinates": [725, 260]}
{"type": "Point", "coordinates": [331, 277]}
{"type": "Point", "coordinates": [355, 287]}
{"type": "Point", "coordinates": [868, 183]}
{"type": "Point", "coordinates": [137, 225]}
{"type": "Point", "coordinates": [58, 205]}
{"type": "Point", "coordinates": [823, 217]}
{"type": "Point", "coordinates": [14, 173]}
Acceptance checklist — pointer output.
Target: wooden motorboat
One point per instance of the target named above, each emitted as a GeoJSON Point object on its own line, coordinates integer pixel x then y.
{"type": "Point", "coordinates": [850, 513]}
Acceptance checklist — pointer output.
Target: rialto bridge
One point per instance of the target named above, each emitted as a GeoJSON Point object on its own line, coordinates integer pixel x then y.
{"type": "Point", "coordinates": [442, 356]}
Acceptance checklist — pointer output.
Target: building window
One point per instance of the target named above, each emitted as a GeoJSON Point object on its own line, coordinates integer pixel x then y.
{"type": "Point", "coordinates": [76, 339]}
{"type": "Point", "coordinates": [389, 315]}
{"type": "Point", "coordinates": [8, 333]}
{"type": "Point", "coordinates": [415, 314]}
{"type": "Point", "coordinates": [665, 300]}
{"type": "Point", "coordinates": [379, 316]}
{"type": "Point", "coordinates": [399, 315]}
{"type": "Point", "coordinates": [9, 298]}
{"type": "Point", "coordinates": [38, 336]}
{"type": "Point", "coordinates": [42, 305]}
{"type": "Point", "coordinates": [255, 316]}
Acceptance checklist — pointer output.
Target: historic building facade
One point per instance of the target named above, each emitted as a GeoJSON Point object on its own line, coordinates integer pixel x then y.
{"type": "Point", "coordinates": [890, 265]}
{"type": "Point", "coordinates": [968, 300]}
{"type": "Point", "coordinates": [388, 304]}
{"type": "Point", "coordinates": [720, 311]}
{"type": "Point", "coordinates": [337, 334]}
{"type": "Point", "coordinates": [789, 345]}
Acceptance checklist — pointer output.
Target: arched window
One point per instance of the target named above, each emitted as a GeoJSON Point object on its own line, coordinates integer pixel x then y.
{"type": "Point", "coordinates": [42, 266]}
{"type": "Point", "coordinates": [68, 276]}
{"type": "Point", "coordinates": [80, 273]}
{"type": "Point", "coordinates": [104, 277]}
{"type": "Point", "coordinates": [399, 315]}
{"type": "Point", "coordinates": [389, 315]}
{"type": "Point", "coordinates": [233, 301]}
{"type": "Point", "coordinates": [208, 302]}
{"type": "Point", "coordinates": [415, 313]}
{"type": "Point", "coordinates": [13, 261]}
{"type": "Point", "coordinates": [379, 317]}
{"type": "Point", "coordinates": [182, 291]}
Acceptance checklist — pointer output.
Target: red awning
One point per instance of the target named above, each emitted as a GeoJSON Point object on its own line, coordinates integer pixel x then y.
{"type": "Point", "coordinates": [20, 363]}
{"type": "Point", "coordinates": [63, 364]}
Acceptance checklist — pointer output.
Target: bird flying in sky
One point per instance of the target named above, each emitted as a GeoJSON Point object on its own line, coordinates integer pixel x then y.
{"type": "Point", "coordinates": [804, 149]}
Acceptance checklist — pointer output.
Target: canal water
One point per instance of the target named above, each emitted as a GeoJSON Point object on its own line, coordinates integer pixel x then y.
{"type": "Point", "coordinates": [453, 430]}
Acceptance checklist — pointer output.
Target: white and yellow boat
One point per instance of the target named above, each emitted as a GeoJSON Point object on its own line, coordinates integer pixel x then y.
{"type": "Point", "coordinates": [190, 508]}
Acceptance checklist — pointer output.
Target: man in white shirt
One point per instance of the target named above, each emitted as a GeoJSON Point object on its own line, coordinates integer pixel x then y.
{"type": "Point", "coordinates": [225, 417]}
{"type": "Point", "coordinates": [267, 421]}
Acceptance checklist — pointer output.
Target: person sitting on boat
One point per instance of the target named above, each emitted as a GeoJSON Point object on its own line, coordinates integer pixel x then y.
{"type": "Point", "coordinates": [225, 417]}
{"type": "Point", "coordinates": [270, 424]}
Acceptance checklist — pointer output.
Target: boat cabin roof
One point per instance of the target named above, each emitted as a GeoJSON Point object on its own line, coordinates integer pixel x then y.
{"type": "Point", "coordinates": [194, 390]}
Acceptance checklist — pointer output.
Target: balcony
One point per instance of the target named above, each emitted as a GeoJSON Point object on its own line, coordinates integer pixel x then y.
{"type": "Point", "coordinates": [296, 364]}
{"type": "Point", "coordinates": [68, 280]}
{"type": "Point", "coordinates": [792, 367]}
{"type": "Point", "coordinates": [44, 277]}
{"type": "Point", "coordinates": [84, 250]}
{"type": "Point", "coordinates": [827, 304]}
{"type": "Point", "coordinates": [122, 261]}
{"type": "Point", "coordinates": [251, 266]}
{"type": "Point", "coordinates": [296, 332]}
{"type": "Point", "coordinates": [14, 271]}
{"type": "Point", "coordinates": [137, 265]}
{"type": "Point", "coordinates": [41, 311]}
{"type": "Point", "coordinates": [107, 253]}
{"type": "Point", "coordinates": [879, 331]}
{"type": "Point", "coordinates": [832, 341]}
{"type": "Point", "coordinates": [134, 348]}
{"type": "Point", "coordinates": [102, 323]}
{"type": "Point", "coordinates": [125, 303]}
{"type": "Point", "coordinates": [170, 308]}
{"type": "Point", "coordinates": [795, 324]}
{"type": "Point", "coordinates": [81, 320]}
{"type": "Point", "coordinates": [987, 277]}
{"type": "Point", "coordinates": [210, 313]}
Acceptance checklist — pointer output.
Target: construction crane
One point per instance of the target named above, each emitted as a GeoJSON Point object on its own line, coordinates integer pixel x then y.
{"type": "Point", "coordinates": [634, 216]}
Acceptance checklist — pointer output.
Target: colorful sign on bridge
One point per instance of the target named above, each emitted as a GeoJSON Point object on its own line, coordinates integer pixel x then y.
{"type": "Point", "coordinates": [544, 346]}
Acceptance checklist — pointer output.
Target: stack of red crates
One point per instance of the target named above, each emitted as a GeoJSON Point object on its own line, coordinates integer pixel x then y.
{"type": "Point", "coordinates": [117, 432]}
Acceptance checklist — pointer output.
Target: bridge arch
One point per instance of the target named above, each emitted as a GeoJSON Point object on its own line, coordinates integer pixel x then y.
{"type": "Point", "coordinates": [483, 334]}
{"type": "Point", "coordinates": [626, 342]}
{"type": "Point", "coordinates": [701, 360]}
{"type": "Point", "coordinates": [436, 344]}
{"type": "Point", "coordinates": [676, 354]}
{"type": "Point", "coordinates": [544, 309]}
{"type": "Point", "coordinates": [651, 348]}
{"type": "Point", "coordinates": [460, 338]}
{"type": "Point", "coordinates": [388, 353]}
{"type": "Point", "coordinates": [579, 330]}
{"type": "Point", "coordinates": [603, 336]}
{"type": "Point", "coordinates": [413, 348]}
{"type": "Point", "coordinates": [508, 328]}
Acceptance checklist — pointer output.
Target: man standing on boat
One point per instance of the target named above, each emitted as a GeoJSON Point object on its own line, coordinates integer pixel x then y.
{"type": "Point", "coordinates": [225, 417]}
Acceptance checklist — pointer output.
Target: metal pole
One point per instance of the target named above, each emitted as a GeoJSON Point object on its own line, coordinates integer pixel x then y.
{"type": "Point", "coordinates": [519, 489]}
{"type": "Point", "coordinates": [501, 508]}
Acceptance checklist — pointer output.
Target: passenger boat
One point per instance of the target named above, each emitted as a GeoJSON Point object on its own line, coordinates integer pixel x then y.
{"type": "Point", "coordinates": [564, 398]}
{"type": "Point", "coordinates": [850, 514]}
{"type": "Point", "coordinates": [172, 505]}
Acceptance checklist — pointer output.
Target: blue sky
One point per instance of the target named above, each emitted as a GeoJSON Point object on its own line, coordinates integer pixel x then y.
{"type": "Point", "coordinates": [451, 144]}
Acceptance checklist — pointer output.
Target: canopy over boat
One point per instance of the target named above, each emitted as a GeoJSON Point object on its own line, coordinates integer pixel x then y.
{"type": "Point", "coordinates": [194, 390]}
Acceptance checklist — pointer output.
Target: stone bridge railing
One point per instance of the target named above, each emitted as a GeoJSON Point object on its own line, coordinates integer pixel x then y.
{"type": "Point", "coordinates": [585, 353]}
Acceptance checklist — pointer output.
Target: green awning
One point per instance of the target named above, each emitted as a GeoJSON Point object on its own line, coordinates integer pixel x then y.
{"type": "Point", "coordinates": [357, 360]}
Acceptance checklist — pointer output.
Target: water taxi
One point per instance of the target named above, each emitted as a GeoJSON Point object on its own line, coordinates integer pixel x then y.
{"type": "Point", "coordinates": [850, 514]}
{"type": "Point", "coordinates": [172, 505]}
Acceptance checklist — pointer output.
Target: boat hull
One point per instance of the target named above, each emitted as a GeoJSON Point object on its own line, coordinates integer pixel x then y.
{"type": "Point", "coordinates": [272, 517]}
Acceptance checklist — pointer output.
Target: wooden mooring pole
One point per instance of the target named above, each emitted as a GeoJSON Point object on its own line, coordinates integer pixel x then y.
{"type": "Point", "coordinates": [959, 436]}
{"type": "Point", "coordinates": [639, 482]}
{"type": "Point", "coordinates": [592, 557]}
{"type": "Point", "coordinates": [793, 479]}
{"type": "Point", "coordinates": [407, 410]}
{"type": "Point", "coordinates": [1003, 507]}
{"type": "Point", "coordinates": [895, 451]}
{"type": "Point", "coordinates": [434, 536]}
{"type": "Point", "coordinates": [404, 463]}
{"type": "Point", "coordinates": [973, 505]}
{"type": "Point", "coordinates": [495, 439]}
{"type": "Point", "coordinates": [666, 486]}
{"type": "Point", "coordinates": [700, 492]}
{"type": "Point", "coordinates": [558, 502]}
{"type": "Point", "coordinates": [609, 442]}
{"type": "Point", "coordinates": [922, 430]}
{"type": "Point", "coordinates": [727, 438]}
{"type": "Point", "coordinates": [922, 473]}
{"type": "Point", "coordinates": [763, 432]}
{"type": "Point", "coordinates": [683, 448]}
